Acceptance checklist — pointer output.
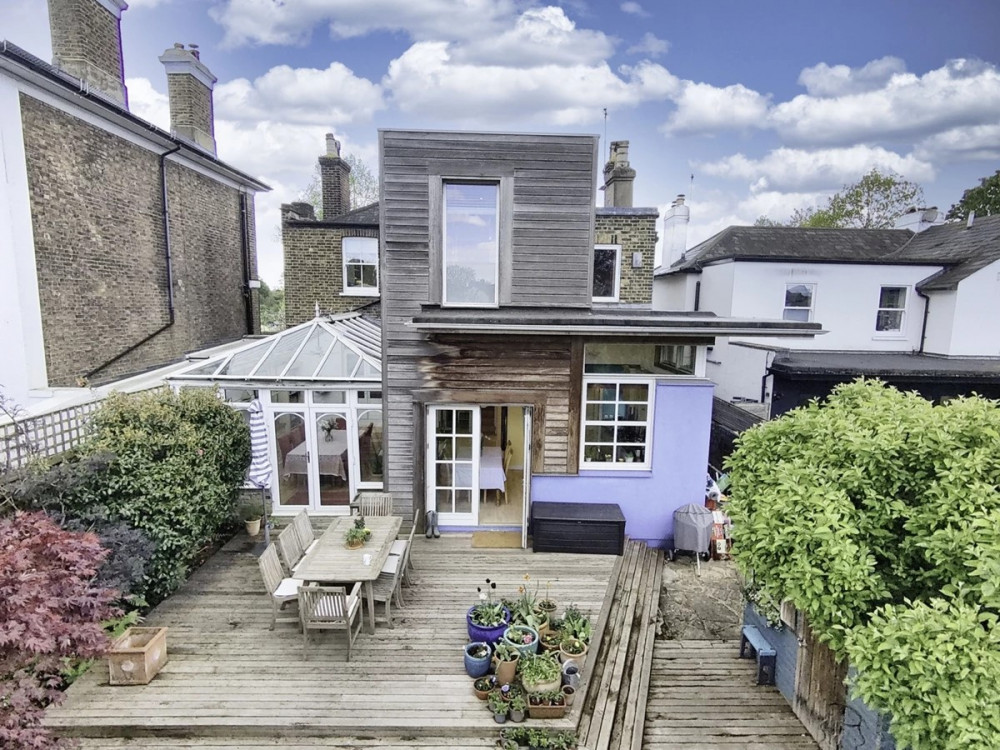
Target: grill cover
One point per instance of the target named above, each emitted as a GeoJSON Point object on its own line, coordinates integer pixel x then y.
{"type": "Point", "coordinates": [693, 528]}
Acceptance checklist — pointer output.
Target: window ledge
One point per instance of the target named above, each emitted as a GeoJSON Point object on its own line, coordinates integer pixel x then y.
{"type": "Point", "coordinates": [360, 293]}
{"type": "Point", "coordinates": [889, 337]}
{"type": "Point", "coordinates": [622, 466]}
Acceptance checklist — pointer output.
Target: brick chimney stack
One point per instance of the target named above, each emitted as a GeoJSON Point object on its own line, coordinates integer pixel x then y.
{"type": "Point", "coordinates": [335, 176]}
{"type": "Point", "coordinates": [87, 43]}
{"type": "Point", "coordinates": [618, 177]}
{"type": "Point", "coordinates": [189, 88]}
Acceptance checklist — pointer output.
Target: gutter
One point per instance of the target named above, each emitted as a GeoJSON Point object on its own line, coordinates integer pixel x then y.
{"type": "Point", "coordinates": [168, 260]}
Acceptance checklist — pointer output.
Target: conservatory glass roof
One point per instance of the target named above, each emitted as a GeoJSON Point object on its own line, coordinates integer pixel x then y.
{"type": "Point", "coordinates": [330, 348]}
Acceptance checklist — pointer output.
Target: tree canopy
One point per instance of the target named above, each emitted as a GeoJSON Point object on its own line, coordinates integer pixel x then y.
{"type": "Point", "coordinates": [983, 199]}
{"type": "Point", "coordinates": [877, 514]}
{"type": "Point", "coordinates": [873, 202]}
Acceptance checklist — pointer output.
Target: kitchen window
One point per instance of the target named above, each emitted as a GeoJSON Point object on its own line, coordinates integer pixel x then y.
{"type": "Point", "coordinates": [617, 423]}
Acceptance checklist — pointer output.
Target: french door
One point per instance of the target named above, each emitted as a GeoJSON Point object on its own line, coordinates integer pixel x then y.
{"type": "Point", "coordinates": [453, 454]}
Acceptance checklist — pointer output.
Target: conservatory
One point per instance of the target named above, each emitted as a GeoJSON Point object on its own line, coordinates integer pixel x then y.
{"type": "Point", "coordinates": [319, 385]}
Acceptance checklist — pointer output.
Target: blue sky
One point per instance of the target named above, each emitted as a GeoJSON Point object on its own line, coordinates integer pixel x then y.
{"type": "Point", "coordinates": [771, 104]}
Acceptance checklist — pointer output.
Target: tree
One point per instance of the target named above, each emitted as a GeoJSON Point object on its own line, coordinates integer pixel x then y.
{"type": "Point", "coordinates": [984, 199]}
{"type": "Point", "coordinates": [272, 308]}
{"type": "Point", "coordinates": [363, 182]}
{"type": "Point", "coordinates": [873, 202]}
{"type": "Point", "coordinates": [50, 610]}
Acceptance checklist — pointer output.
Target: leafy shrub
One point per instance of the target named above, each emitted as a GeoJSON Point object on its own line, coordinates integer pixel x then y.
{"type": "Point", "coordinates": [935, 668]}
{"type": "Point", "coordinates": [179, 461]}
{"type": "Point", "coordinates": [50, 611]}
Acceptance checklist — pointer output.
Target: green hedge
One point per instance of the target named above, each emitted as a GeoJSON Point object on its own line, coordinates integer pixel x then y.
{"type": "Point", "coordinates": [179, 462]}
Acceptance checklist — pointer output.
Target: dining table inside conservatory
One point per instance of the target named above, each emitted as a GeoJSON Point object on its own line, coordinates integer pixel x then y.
{"type": "Point", "coordinates": [331, 561]}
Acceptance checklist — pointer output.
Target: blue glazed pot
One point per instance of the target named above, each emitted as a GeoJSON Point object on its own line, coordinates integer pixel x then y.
{"type": "Point", "coordinates": [490, 635]}
{"type": "Point", "coordinates": [524, 648]}
{"type": "Point", "coordinates": [477, 666]}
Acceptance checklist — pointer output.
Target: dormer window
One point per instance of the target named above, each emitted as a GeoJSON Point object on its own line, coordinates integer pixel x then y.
{"type": "Point", "coordinates": [607, 272]}
{"type": "Point", "coordinates": [471, 247]}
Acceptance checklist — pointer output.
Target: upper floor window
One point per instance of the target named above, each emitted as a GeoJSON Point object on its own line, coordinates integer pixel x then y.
{"type": "Point", "coordinates": [607, 272]}
{"type": "Point", "coordinates": [471, 247]}
{"type": "Point", "coordinates": [891, 309]}
{"type": "Point", "coordinates": [799, 302]}
{"type": "Point", "coordinates": [360, 266]}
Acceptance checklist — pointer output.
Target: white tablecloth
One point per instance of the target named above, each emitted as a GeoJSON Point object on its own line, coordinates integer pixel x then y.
{"type": "Point", "coordinates": [491, 476]}
{"type": "Point", "coordinates": [330, 456]}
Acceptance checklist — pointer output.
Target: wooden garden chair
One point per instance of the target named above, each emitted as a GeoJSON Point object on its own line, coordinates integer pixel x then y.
{"type": "Point", "coordinates": [280, 590]}
{"type": "Point", "coordinates": [402, 548]}
{"type": "Point", "coordinates": [387, 589]}
{"type": "Point", "coordinates": [304, 531]}
{"type": "Point", "coordinates": [330, 608]}
{"type": "Point", "coordinates": [374, 503]}
{"type": "Point", "coordinates": [290, 547]}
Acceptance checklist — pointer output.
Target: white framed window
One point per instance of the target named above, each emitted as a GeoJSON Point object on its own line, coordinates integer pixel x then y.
{"type": "Point", "coordinates": [360, 266]}
{"type": "Point", "coordinates": [799, 302]}
{"type": "Point", "coordinates": [891, 309]}
{"type": "Point", "coordinates": [617, 423]}
{"type": "Point", "coordinates": [471, 244]}
{"type": "Point", "coordinates": [607, 272]}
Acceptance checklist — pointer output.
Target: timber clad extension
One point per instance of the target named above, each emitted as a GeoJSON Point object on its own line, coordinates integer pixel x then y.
{"type": "Point", "coordinates": [547, 196]}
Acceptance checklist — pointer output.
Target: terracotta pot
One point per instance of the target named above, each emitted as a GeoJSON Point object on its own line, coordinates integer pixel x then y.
{"type": "Point", "coordinates": [505, 671]}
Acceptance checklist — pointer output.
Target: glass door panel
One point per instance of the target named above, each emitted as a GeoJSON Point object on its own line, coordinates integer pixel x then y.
{"type": "Point", "coordinates": [332, 467]}
{"type": "Point", "coordinates": [292, 467]}
{"type": "Point", "coordinates": [453, 464]}
{"type": "Point", "coordinates": [370, 445]}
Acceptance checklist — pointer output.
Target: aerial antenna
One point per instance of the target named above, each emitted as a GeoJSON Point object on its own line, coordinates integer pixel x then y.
{"type": "Point", "coordinates": [691, 187]}
{"type": "Point", "coordinates": [605, 126]}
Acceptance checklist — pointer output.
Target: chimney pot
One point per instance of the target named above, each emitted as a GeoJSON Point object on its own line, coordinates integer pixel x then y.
{"type": "Point", "coordinates": [618, 177]}
{"type": "Point", "coordinates": [332, 145]}
{"type": "Point", "coordinates": [675, 226]}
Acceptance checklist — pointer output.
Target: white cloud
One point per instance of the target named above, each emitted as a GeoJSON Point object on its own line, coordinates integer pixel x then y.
{"type": "Point", "coordinates": [649, 45]}
{"type": "Point", "coordinates": [148, 103]}
{"type": "Point", "coordinates": [292, 23]}
{"type": "Point", "coordinates": [334, 96]}
{"type": "Point", "coordinates": [538, 36]}
{"type": "Point", "coordinates": [634, 9]}
{"type": "Point", "coordinates": [838, 80]}
{"type": "Point", "coordinates": [961, 93]}
{"type": "Point", "coordinates": [977, 142]}
{"type": "Point", "coordinates": [703, 108]}
{"type": "Point", "coordinates": [787, 169]}
{"type": "Point", "coordinates": [425, 79]}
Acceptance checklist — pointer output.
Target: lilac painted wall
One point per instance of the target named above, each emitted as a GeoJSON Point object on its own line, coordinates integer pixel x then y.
{"type": "Point", "coordinates": [681, 427]}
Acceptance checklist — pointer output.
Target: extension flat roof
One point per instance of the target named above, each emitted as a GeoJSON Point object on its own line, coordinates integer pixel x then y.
{"type": "Point", "coordinates": [885, 364]}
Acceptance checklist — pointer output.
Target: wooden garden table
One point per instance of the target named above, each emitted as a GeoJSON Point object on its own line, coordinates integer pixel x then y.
{"type": "Point", "coordinates": [330, 561]}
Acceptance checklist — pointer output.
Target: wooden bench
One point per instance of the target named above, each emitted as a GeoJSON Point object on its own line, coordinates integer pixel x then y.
{"type": "Point", "coordinates": [589, 528]}
{"type": "Point", "coordinates": [766, 655]}
{"type": "Point", "coordinates": [617, 669]}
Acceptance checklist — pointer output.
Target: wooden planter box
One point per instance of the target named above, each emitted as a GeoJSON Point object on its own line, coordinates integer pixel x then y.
{"type": "Point", "coordinates": [546, 712]}
{"type": "Point", "coordinates": [137, 655]}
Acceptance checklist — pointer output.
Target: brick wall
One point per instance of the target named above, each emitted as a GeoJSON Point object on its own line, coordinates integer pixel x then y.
{"type": "Point", "coordinates": [86, 42]}
{"type": "Point", "coordinates": [314, 270]}
{"type": "Point", "coordinates": [99, 245]}
{"type": "Point", "coordinates": [634, 234]}
{"type": "Point", "coordinates": [190, 104]}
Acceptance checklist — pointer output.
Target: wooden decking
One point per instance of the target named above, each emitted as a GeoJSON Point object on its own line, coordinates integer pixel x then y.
{"type": "Point", "coordinates": [704, 697]}
{"type": "Point", "coordinates": [231, 682]}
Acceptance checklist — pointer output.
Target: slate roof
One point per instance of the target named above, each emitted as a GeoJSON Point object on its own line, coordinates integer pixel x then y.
{"type": "Point", "coordinates": [884, 364]}
{"type": "Point", "coordinates": [365, 216]}
{"type": "Point", "coordinates": [964, 250]}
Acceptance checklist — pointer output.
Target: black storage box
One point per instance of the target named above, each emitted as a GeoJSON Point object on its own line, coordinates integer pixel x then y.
{"type": "Point", "coordinates": [592, 528]}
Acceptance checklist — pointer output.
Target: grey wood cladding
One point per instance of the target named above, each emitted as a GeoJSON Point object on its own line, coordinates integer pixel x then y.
{"type": "Point", "coordinates": [547, 198]}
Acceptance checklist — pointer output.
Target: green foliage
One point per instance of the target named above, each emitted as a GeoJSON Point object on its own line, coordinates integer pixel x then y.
{"type": "Point", "coordinates": [272, 308]}
{"type": "Point", "coordinates": [983, 199]}
{"type": "Point", "coordinates": [873, 499]}
{"type": "Point", "coordinates": [180, 459]}
{"type": "Point", "coordinates": [935, 668]}
{"type": "Point", "coordinates": [362, 180]}
{"type": "Point", "coordinates": [873, 202]}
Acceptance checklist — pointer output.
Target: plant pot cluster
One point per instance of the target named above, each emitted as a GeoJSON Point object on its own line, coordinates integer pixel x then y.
{"type": "Point", "coordinates": [536, 739]}
{"type": "Point", "coordinates": [548, 705]}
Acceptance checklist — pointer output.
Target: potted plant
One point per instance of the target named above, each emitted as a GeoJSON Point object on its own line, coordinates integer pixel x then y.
{"type": "Point", "coordinates": [487, 620]}
{"type": "Point", "coordinates": [355, 538]}
{"type": "Point", "coordinates": [547, 604]}
{"type": "Point", "coordinates": [575, 627]}
{"type": "Point", "coordinates": [518, 706]}
{"type": "Point", "coordinates": [548, 704]}
{"type": "Point", "coordinates": [550, 640]}
{"type": "Point", "coordinates": [540, 672]}
{"type": "Point", "coordinates": [477, 658]}
{"type": "Point", "coordinates": [572, 648]}
{"type": "Point", "coordinates": [506, 656]}
{"type": "Point", "coordinates": [250, 515]}
{"type": "Point", "coordinates": [569, 693]}
{"type": "Point", "coordinates": [498, 705]}
{"type": "Point", "coordinates": [521, 637]}
{"type": "Point", "coordinates": [483, 686]}
{"type": "Point", "coordinates": [524, 609]}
